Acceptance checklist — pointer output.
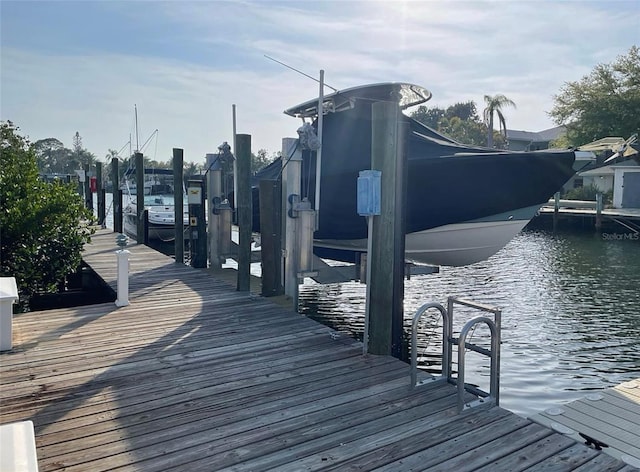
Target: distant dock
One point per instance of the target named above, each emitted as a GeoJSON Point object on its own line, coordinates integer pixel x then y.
{"type": "Point", "coordinates": [585, 215]}
{"type": "Point", "coordinates": [194, 375]}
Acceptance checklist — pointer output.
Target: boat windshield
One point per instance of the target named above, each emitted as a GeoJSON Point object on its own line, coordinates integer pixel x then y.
{"type": "Point", "coordinates": [151, 200]}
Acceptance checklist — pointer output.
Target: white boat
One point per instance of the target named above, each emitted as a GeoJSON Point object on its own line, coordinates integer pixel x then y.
{"type": "Point", "coordinates": [160, 205]}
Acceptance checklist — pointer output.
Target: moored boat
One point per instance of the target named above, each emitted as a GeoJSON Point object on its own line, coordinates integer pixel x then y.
{"type": "Point", "coordinates": [160, 206]}
{"type": "Point", "coordinates": [463, 203]}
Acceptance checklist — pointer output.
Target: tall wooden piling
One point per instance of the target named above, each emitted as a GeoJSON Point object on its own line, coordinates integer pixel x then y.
{"type": "Point", "coordinates": [116, 195]}
{"type": "Point", "coordinates": [388, 233]}
{"type": "Point", "coordinates": [139, 160]}
{"type": "Point", "coordinates": [214, 193]}
{"type": "Point", "coordinates": [101, 194]}
{"type": "Point", "coordinates": [88, 195]}
{"type": "Point", "coordinates": [291, 186]}
{"type": "Point", "coordinates": [556, 210]}
{"type": "Point", "coordinates": [271, 237]}
{"type": "Point", "coordinates": [598, 211]}
{"type": "Point", "coordinates": [244, 210]}
{"type": "Point", "coordinates": [178, 199]}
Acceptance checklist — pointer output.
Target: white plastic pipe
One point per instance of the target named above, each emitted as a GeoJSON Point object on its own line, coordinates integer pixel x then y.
{"type": "Point", "coordinates": [122, 257]}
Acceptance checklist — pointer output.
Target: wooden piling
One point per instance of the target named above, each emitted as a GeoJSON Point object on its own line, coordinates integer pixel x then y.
{"type": "Point", "coordinates": [271, 236]}
{"type": "Point", "coordinates": [178, 200]}
{"type": "Point", "coordinates": [556, 209]}
{"type": "Point", "coordinates": [116, 196]}
{"type": "Point", "coordinates": [387, 259]}
{"type": "Point", "coordinates": [88, 195]}
{"type": "Point", "coordinates": [598, 211]}
{"type": "Point", "coordinates": [244, 210]}
{"type": "Point", "coordinates": [145, 226]}
{"type": "Point", "coordinates": [139, 161]}
{"type": "Point", "coordinates": [101, 194]}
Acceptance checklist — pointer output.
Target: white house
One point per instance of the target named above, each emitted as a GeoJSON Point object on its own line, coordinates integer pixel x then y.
{"type": "Point", "coordinates": [601, 178]}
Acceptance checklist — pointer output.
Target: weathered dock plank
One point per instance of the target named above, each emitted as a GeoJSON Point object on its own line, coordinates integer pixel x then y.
{"type": "Point", "coordinates": [193, 375]}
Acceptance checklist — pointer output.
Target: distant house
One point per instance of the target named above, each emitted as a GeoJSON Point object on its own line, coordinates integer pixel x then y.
{"type": "Point", "coordinates": [601, 178]}
{"type": "Point", "coordinates": [622, 178]}
{"type": "Point", "coordinates": [532, 141]}
{"type": "Point", "coordinates": [626, 186]}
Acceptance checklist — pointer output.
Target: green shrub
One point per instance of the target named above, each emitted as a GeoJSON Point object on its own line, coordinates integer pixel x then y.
{"type": "Point", "coordinates": [43, 226]}
{"type": "Point", "coordinates": [588, 193]}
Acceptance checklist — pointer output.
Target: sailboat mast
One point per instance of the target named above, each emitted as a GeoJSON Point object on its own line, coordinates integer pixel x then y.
{"type": "Point", "coordinates": [135, 109]}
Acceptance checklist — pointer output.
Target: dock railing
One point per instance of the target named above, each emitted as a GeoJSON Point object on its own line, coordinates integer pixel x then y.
{"type": "Point", "coordinates": [448, 341]}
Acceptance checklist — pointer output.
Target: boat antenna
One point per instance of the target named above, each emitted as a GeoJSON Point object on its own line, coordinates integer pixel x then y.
{"type": "Point", "coordinates": [299, 72]}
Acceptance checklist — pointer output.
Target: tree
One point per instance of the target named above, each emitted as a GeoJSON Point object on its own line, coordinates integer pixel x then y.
{"type": "Point", "coordinates": [459, 121]}
{"type": "Point", "coordinates": [604, 103]}
{"type": "Point", "coordinates": [44, 225]}
{"type": "Point", "coordinates": [50, 153]}
{"type": "Point", "coordinates": [494, 105]}
{"type": "Point", "coordinates": [260, 160]}
{"type": "Point", "coordinates": [464, 131]}
{"type": "Point", "coordinates": [428, 116]}
{"type": "Point", "coordinates": [466, 111]}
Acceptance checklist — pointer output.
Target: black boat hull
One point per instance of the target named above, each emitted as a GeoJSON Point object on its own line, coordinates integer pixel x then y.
{"type": "Point", "coordinates": [477, 199]}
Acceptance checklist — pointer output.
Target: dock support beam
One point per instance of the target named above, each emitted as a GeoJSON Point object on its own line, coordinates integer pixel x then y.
{"type": "Point", "coordinates": [598, 211]}
{"type": "Point", "coordinates": [291, 173]}
{"type": "Point", "coordinates": [556, 209]}
{"type": "Point", "coordinates": [178, 201]}
{"type": "Point", "coordinates": [214, 192]}
{"type": "Point", "coordinates": [139, 161]}
{"type": "Point", "coordinates": [88, 195]}
{"type": "Point", "coordinates": [245, 216]}
{"type": "Point", "coordinates": [388, 232]}
{"type": "Point", "coordinates": [101, 195]}
{"type": "Point", "coordinates": [116, 196]}
{"type": "Point", "coordinates": [271, 236]}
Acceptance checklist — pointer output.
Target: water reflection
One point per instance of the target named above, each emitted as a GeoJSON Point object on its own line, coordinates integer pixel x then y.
{"type": "Point", "coordinates": [571, 313]}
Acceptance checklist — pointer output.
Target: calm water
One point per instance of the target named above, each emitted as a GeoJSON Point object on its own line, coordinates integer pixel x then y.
{"type": "Point", "coordinates": [570, 319]}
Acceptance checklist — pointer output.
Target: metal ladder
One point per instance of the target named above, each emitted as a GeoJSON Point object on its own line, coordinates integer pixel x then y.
{"type": "Point", "coordinates": [448, 341]}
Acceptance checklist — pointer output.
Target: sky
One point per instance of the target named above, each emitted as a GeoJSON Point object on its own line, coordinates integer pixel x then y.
{"type": "Point", "coordinates": [82, 66]}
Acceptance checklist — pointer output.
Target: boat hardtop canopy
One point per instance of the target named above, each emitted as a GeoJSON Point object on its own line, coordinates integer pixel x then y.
{"type": "Point", "coordinates": [407, 95]}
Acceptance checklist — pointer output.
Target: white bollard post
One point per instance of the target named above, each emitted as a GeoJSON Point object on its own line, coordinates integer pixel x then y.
{"type": "Point", "coordinates": [122, 257]}
{"type": "Point", "coordinates": [123, 277]}
{"type": "Point", "coordinates": [8, 296]}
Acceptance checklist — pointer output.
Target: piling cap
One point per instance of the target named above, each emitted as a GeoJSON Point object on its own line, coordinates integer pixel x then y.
{"type": "Point", "coordinates": [122, 240]}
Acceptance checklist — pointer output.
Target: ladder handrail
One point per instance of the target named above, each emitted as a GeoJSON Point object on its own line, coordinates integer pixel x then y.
{"type": "Point", "coordinates": [414, 338]}
{"type": "Point", "coordinates": [447, 349]}
{"type": "Point", "coordinates": [494, 382]}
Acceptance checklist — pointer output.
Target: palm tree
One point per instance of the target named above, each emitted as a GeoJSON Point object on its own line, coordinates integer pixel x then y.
{"type": "Point", "coordinates": [496, 104]}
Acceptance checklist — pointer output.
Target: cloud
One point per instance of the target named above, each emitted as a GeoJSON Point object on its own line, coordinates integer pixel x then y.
{"type": "Point", "coordinates": [193, 60]}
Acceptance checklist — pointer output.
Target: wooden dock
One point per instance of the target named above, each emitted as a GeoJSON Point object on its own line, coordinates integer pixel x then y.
{"type": "Point", "coordinates": [196, 376]}
{"type": "Point", "coordinates": [621, 220]}
{"type": "Point", "coordinates": [611, 416]}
